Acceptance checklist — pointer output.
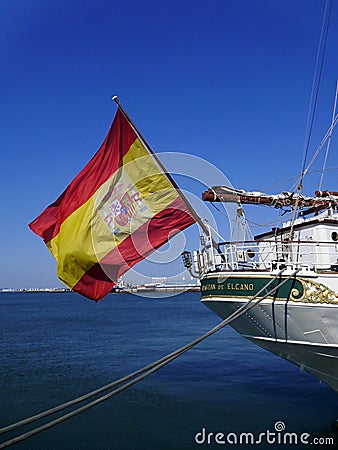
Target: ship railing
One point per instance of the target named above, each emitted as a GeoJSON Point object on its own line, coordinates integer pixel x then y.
{"type": "Point", "coordinates": [268, 255]}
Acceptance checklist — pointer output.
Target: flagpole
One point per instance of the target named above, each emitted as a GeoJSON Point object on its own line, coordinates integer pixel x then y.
{"type": "Point", "coordinates": [173, 182]}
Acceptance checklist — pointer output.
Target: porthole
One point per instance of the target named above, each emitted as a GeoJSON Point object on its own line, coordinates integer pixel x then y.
{"type": "Point", "coordinates": [334, 236]}
{"type": "Point", "coordinates": [250, 253]}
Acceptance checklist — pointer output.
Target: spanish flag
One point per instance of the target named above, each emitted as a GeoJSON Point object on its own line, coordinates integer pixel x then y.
{"type": "Point", "coordinates": [117, 211]}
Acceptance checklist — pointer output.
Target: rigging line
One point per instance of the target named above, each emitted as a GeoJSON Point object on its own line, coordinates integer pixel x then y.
{"type": "Point", "coordinates": [269, 224]}
{"type": "Point", "coordinates": [251, 222]}
{"type": "Point", "coordinates": [329, 140]}
{"type": "Point", "coordinates": [328, 7]}
{"type": "Point", "coordinates": [163, 361]}
{"type": "Point", "coordinates": [297, 176]}
{"type": "Point", "coordinates": [216, 232]}
{"type": "Point", "coordinates": [81, 398]}
{"type": "Point", "coordinates": [321, 145]}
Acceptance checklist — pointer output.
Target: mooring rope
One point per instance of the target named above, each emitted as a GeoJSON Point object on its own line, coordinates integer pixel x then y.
{"type": "Point", "coordinates": [136, 376]}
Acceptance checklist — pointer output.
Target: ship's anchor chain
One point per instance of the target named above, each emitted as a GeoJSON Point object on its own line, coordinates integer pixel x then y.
{"type": "Point", "coordinates": [136, 376]}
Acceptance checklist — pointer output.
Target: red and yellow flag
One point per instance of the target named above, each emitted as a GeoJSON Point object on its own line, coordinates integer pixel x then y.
{"type": "Point", "coordinates": [117, 211]}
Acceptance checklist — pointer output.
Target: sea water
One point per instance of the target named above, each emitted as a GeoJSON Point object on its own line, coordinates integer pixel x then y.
{"type": "Point", "coordinates": [57, 346]}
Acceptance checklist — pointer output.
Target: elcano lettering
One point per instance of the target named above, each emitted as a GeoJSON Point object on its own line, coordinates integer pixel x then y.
{"type": "Point", "coordinates": [240, 286]}
{"type": "Point", "coordinates": [229, 287]}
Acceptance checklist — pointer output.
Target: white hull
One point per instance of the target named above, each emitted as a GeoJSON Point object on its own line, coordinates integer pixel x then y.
{"type": "Point", "coordinates": [303, 333]}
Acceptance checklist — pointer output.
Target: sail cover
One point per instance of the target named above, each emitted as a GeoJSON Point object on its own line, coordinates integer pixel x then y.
{"type": "Point", "coordinates": [117, 211]}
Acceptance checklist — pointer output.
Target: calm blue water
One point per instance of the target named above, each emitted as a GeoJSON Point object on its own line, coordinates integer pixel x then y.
{"type": "Point", "coordinates": [55, 347]}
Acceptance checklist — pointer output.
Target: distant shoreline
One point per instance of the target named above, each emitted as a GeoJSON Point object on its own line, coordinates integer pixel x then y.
{"type": "Point", "coordinates": [35, 290]}
{"type": "Point", "coordinates": [116, 290]}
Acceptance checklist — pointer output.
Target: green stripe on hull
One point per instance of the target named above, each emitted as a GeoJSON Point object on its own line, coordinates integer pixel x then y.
{"type": "Point", "coordinates": [244, 287]}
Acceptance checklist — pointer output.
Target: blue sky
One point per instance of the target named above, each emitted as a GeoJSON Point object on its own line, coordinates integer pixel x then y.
{"type": "Point", "coordinates": [226, 81]}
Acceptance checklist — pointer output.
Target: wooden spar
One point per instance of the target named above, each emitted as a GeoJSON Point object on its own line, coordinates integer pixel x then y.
{"type": "Point", "coordinates": [326, 193]}
{"type": "Point", "coordinates": [214, 196]}
{"type": "Point", "coordinates": [323, 199]}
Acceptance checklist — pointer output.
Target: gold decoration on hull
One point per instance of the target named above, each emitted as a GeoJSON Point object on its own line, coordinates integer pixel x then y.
{"type": "Point", "coordinates": [314, 293]}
